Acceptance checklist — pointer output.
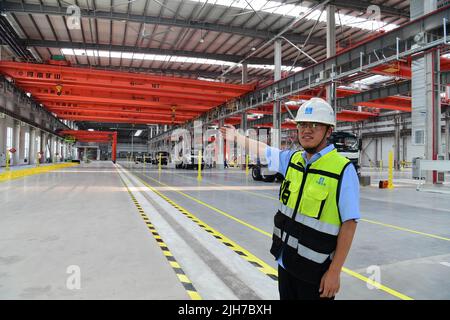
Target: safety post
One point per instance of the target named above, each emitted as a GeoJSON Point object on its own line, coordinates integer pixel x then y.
{"type": "Point", "coordinates": [246, 164]}
{"type": "Point", "coordinates": [159, 163]}
{"type": "Point", "coordinates": [143, 165]}
{"type": "Point", "coordinates": [391, 165]}
{"type": "Point", "coordinates": [8, 159]}
{"type": "Point", "coordinates": [199, 175]}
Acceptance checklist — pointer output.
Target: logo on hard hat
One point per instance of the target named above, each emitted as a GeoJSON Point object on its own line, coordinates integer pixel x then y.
{"type": "Point", "coordinates": [308, 110]}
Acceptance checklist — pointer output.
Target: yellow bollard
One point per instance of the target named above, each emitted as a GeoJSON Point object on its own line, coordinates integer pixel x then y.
{"type": "Point", "coordinates": [7, 160]}
{"type": "Point", "coordinates": [246, 164]}
{"type": "Point", "coordinates": [391, 165]}
{"type": "Point", "coordinates": [143, 164]}
{"type": "Point", "coordinates": [159, 163]}
{"type": "Point", "coordinates": [199, 175]}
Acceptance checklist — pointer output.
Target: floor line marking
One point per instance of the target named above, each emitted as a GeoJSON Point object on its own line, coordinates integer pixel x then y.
{"type": "Point", "coordinates": [182, 277]}
{"type": "Point", "coordinates": [344, 269]}
{"type": "Point", "coordinates": [362, 219]}
{"type": "Point", "coordinates": [247, 255]}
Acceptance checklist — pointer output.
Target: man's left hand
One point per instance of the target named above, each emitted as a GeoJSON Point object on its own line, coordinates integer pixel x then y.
{"type": "Point", "coordinates": [330, 284]}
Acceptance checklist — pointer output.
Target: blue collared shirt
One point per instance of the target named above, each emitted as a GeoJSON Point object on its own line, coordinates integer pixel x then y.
{"type": "Point", "coordinates": [278, 160]}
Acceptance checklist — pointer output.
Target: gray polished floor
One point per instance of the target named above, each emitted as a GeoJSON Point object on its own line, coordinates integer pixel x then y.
{"type": "Point", "coordinates": [84, 217]}
{"type": "Point", "coordinates": [78, 222]}
{"type": "Point", "coordinates": [402, 240]}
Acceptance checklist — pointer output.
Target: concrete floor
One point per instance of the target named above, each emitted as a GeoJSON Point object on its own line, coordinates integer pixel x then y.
{"type": "Point", "coordinates": [84, 216]}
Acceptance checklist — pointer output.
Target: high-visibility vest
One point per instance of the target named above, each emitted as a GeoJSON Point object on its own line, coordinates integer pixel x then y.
{"type": "Point", "coordinates": [307, 222]}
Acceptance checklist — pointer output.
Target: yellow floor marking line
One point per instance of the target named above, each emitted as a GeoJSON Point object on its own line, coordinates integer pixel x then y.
{"type": "Point", "coordinates": [20, 173]}
{"type": "Point", "coordinates": [221, 185]}
{"type": "Point", "coordinates": [212, 208]}
{"type": "Point", "coordinates": [251, 258]}
{"type": "Point", "coordinates": [185, 281]}
{"type": "Point", "coordinates": [378, 285]}
{"type": "Point", "coordinates": [365, 220]}
{"type": "Point", "coordinates": [407, 230]}
{"type": "Point", "coordinates": [346, 270]}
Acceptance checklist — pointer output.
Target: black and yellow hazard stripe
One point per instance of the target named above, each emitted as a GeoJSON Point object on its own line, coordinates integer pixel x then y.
{"type": "Point", "coordinates": [352, 273]}
{"type": "Point", "coordinates": [252, 259]}
{"type": "Point", "coordinates": [184, 279]}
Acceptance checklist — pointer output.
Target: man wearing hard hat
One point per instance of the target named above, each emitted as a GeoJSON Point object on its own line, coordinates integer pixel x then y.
{"type": "Point", "coordinates": [318, 206]}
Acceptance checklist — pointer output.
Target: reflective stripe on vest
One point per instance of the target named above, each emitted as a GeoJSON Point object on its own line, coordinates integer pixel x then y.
{"type": "Point", "coordinates": [309, 196]}
{"type": "Point", "coordinates": [302, 250]}
{"type": "Point", "coordinates": [310, 222]}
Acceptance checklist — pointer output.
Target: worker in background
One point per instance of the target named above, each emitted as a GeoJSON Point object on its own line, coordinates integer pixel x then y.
{"type": "Point", "coordinates": [318, 205]}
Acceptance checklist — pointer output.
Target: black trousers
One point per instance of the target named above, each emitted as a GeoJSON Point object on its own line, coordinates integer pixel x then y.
{"type": "Point", "coordinates": [292, 288]}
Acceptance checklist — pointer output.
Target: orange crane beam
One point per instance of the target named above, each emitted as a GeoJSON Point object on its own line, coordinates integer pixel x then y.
{"type": "Point", "coordinates": [392, 103]}
{"type": "Point", "coordinates": [129, 110]}
{"type": "Point", "coordinates": [118, 113]}
{"type": "Point", "coordinates": [95, 92]}
{"type": "Point", "coordinates": [94, 136]}
{"type": "Point", "coordinates": [402, 68]}
{"type": "Point", "coordinates": [134, 90]}
{"type": "Point", "coordinates": [61, 74]}
{"type": "Point", "coordinates": [156, 109]}
{"type": "Point", "coordinates": [57, 85]}
{"type": "Point", "coordinates": [45, 98]}
{"type": "Point", "coordinates": [130, 120]}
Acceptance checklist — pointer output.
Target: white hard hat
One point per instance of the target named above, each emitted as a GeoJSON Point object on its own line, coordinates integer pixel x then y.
{"type": "Point", "coordinates": [316, 110]}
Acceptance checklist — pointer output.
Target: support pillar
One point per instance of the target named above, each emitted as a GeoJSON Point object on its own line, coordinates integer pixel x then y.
{"type": "Point", "coordinates": [397, 137]}
{"type": "Point", "coordinates": [32, 147]}
{"type": "Point", "coordinates": [244, 149]}
{"type": "Point", "coordinates": [16, 143]}
{"type": "Point", "coordinates": [331, 51]}
{"type": "Point", "coordinates": [447, 135]}
{"type": "Point", "coordinates": [114, 147]}
{"type": "Point", "coordinates": [44, 148]}
{"type": "Point", "coordinates": [220, 148]}
{"type": "Point", "coordinates": [276, 129]}
{"type": "Point", "coordinates": [58, 150]}
{"type": "Point", "coordinates": [425, 97]}
{"type": "Point", "coordinates": [244, 73]}
{"type": "Point", "coordinates": [52, 149]}
{"type": "Point", "coordinates": [2, 142]}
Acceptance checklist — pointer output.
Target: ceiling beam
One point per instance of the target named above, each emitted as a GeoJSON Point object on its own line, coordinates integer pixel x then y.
{"type": "Point", "coordinates": [7, 6]}
{"type": "Point", "coordinates": [165, 71]}
{"type": "Point", "coordinates": [9, 37]}
{"type": "Point", "coordinates": [362, 5]}
{"type": "Point", "coordinates": [132, 49]}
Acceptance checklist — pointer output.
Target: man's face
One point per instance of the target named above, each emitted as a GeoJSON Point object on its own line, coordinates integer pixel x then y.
{"type": "Point", "coordinates": [310, 134]}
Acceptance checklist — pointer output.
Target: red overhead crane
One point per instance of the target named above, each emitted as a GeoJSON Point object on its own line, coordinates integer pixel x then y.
{"type": "Point", "coordinates": [84, 94]}
{"type": "Point", "coordinates": [94, 136]}
{"type": "Point", "coordinates": [402, 68]}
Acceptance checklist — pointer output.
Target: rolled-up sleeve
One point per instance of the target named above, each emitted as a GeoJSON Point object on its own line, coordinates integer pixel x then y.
{"type": "Point", "coordinates": [349, 195]}
{"type": "Point", "coordinates": [278, 160]}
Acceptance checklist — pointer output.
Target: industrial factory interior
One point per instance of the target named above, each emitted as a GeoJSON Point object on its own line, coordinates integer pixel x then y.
{"type": "Point", "coordinates": [238, 150]}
